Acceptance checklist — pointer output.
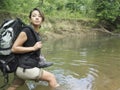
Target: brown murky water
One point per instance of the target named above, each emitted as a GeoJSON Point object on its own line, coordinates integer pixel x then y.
{"type": "Point", "coordinates": [91, 63]}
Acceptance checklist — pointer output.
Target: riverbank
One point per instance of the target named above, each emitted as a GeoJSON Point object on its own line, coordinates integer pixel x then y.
{"type": "Point", "coordinates": [60, 28]}
{"type": "Point", "coordinates": [54, 28]}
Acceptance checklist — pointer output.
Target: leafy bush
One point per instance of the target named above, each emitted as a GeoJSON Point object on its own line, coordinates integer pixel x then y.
{"type": "Point", "coordinates": [108, 11]}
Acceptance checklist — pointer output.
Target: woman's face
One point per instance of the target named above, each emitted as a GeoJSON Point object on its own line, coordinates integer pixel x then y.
{"type": "Point", "coordinates": [36, 18]}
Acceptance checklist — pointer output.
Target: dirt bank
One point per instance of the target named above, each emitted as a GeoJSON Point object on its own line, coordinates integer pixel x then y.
{"type": "Point", "coordinates": [59, 28]}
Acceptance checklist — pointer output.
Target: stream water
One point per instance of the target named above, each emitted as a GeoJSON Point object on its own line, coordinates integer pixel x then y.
{"type": "Point", "coordinates": [90, 63]}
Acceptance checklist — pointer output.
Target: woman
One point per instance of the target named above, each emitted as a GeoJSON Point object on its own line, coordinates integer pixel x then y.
{"type": "Point", "coordinates": [24, 45]}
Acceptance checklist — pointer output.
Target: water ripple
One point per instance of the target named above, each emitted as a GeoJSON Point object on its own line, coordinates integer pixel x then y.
{"type": "Point", "coordinates": [69, 82]}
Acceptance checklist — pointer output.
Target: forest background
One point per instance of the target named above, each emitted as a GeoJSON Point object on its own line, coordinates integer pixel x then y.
{"type": "Point", "coordinates": [93, 13]}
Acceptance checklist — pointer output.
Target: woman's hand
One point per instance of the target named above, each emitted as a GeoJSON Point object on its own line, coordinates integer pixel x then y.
{"type": "Point", "coordinates": [37, 45]}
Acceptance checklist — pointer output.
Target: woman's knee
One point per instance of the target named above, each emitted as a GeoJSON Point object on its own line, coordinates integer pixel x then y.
{"type": "Point", "coordinates": [50, 78]}
{"type": "Point", "coordinates": [11, 88]}
{"type": "Point", "coordinates": [17, 82]}
{"type": "Point", "coordinates": [47, 76]}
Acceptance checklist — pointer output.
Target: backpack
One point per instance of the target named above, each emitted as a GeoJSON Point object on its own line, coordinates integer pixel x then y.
{"type": "Point", "coordinates": [9, 30]}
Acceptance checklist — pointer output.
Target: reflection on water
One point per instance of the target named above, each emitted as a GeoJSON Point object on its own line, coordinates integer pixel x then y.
{"type": "Point", "coordinates": [91, 63]}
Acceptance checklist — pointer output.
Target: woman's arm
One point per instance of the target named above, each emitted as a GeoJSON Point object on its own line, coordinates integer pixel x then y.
{"type": "Point", "coordinates": [18, 44]}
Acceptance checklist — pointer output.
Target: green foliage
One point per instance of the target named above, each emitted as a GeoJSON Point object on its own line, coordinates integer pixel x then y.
{"type": "Point", "coordinates": [21, 6]}
{"type": "Point", "coordinates": [51, 8]}
{"type": "Point", "coordinates": [108, 12]}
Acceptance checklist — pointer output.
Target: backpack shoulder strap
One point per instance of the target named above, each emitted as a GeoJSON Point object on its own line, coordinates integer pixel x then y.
{"type": "Point", "coordinates": [32, 30]}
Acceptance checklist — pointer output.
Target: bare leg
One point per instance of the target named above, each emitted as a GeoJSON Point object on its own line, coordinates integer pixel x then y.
{"type": "Point", "coordinates": [50, 78]}
{"type": "Point", "coordinates": [17, 82]}
{"type": "Point", "coordinates": [11, 88]}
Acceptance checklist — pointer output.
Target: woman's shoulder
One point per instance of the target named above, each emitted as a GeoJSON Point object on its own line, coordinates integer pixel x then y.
{"type": "Point", "coordinates": [26, 29]}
